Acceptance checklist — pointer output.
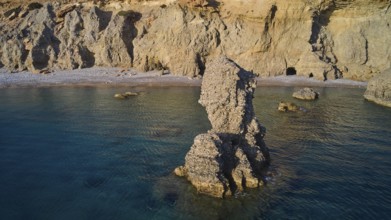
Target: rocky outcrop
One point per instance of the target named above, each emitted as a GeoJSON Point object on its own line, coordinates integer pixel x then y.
{"type": "Point", "coordinates": [379, 89]}
{"type": "Point", "coordinates": [290, 107]}
{"type": "Point", "coordinates": [232, 155]}
{"type": "Point", "coordinates": [306, 94]}
{"type": "Point", "coordinates": [326, 39]}
{"type": "Point", "coordinates": [125, 95]}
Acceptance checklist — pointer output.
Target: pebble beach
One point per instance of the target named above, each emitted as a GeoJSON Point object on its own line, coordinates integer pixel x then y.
{"type": "Point", "coordinates": [101, 76]}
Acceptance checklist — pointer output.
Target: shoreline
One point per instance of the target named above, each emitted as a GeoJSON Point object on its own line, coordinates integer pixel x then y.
{"type": "Point", "coordinates": [108, 77]}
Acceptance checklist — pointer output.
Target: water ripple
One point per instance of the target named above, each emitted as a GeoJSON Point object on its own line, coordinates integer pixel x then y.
{"type": "Point", "coordinates": [79, 153]}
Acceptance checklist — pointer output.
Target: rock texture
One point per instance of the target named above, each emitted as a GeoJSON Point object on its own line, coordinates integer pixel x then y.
{"type": "Point", "coordinates": [290, 107]}
{"type": "Point", "coordinates": [325, 39]}
{"type": "Point", "coordinates": [306, 94]}
{"type": "Point", "coordinates": [232, 155]}
{"type": "Point", "coordinates": [379, 89]}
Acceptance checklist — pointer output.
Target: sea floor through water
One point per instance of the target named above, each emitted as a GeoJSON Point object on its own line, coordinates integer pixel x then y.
{"type": "Point", "coordinates": [78, 153]}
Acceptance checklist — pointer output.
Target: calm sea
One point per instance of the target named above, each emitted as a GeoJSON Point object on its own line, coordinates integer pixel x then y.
{"type": "Point", "coordinates": [78, 153]}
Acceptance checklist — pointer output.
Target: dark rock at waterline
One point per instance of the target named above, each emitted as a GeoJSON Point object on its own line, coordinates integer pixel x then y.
{"type": "Point", "coordinates": [287, 107]}
{"type": "Point", "coordinates": [379, 89]}
{"type": "Point", "coordinates": [290, 107]}
{"type": "Point", "coordinates": [232, 155]}
{"type": "Point", "coordinates": [125, 95]}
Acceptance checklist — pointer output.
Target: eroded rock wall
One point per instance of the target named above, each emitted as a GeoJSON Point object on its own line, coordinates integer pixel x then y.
{"type": "Point", "coordinates": [379, 89]}
{"type": "Point", "coordinates": [325, 39]}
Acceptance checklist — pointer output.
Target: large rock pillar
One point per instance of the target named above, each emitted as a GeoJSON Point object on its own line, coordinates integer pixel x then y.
{"type": "Point", "coordinates": [232, 155]}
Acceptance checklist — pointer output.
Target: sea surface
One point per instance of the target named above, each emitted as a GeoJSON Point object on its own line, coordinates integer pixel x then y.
{"type": "Point", "coordinates": [78, 153]}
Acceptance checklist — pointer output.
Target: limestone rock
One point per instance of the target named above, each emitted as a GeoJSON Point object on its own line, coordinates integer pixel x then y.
{"type": "Point", "coordinates": [306, 94]}
{"type": "Point", "coordinates": [117, 47]}
{"type": "Point", "coordinates": [71, 46]}
{"type": "Point", "coordinates": [177, 39]}
{"type": "Point", "coordinates": [43, 53]}
{"type": "Point", "coordinates": [65, 9]}
{"type": "Point", "coordinates": [287, 107]}
{"type": "Point", "coordinates": [321, 39]}
{"type": "Point", "coordinates": [125, 95]}
{"type": "Point", "coordinates": [232, 155]}
{"type": "Point", "coordinates": [379, 89]}
{"type": "Point", "coordinates": [13, 55]}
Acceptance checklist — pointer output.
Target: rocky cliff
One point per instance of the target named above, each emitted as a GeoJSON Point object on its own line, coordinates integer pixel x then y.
{"type": "Point", "coordinates": [379, 89]}
{"type": "Point", "coordinates": [232, 155]}
{"type": "Point", "coordinates": [325, 39]}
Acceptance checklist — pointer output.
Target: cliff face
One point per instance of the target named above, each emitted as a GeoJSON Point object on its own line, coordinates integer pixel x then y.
{"type": "Point", "coordinates": [325, 39]}
{"type": "Point", "coordinates": [379, 89]}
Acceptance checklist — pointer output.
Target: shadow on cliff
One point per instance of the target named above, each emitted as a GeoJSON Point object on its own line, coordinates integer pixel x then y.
{"type": "Point", "coordinates": [130, 31]}
{"type": "Point", "coordinates": [213, 3]}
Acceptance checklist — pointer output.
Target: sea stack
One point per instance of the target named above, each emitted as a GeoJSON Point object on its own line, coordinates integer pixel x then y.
{"type": "Point", "coordinates": [232, 156]}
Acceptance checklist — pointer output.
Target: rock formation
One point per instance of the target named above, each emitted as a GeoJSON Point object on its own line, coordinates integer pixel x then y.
{"type": "Point", "coordinates": [125, 95]}
{"type": "Point", "coordinates": [379, 89]}
{"type": "Point", "coordinates": [289, 107]}
{"type": "Point", "coordinates": [324, 39]}
{"type": "Point", "coordinates": [232, 155]}
{"type": "Point", "coordinates": [306, 94]}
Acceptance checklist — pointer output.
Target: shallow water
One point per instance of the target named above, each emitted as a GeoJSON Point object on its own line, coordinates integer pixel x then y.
{"type": "Point", "coordinates": [77, 153]}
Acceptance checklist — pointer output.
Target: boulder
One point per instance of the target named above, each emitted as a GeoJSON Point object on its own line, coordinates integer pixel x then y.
{"type": "Point", "coordinates": [232, 155]}
{"type": "Point", "coordinates": [379, 89]}
{"type": "Point", "coordinates": [306, 94]}
{"type": "Point", "coordinates": [125, 95]}
{"type": "Point", "coordinates": [287, 107]}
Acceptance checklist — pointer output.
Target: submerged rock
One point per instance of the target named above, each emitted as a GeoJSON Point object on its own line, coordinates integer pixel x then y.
{"type": "Point", "coordinates": [379, 89]}
{"type": "Point", "coordinates": [125, 95]}
{"type": "Point", "coordinates": [232, 155]}
{"type": "Point", "coordinates": [306, 94]}
{"type": "Point", "coordinates": [288, 107]}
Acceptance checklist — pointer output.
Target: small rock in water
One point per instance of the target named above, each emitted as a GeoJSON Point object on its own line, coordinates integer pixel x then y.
{"type": "Point", "coordinates": [289, 107]}
{"type": "Point", "coordinates": [119, 96]}
{"type": "Point", "coordinates": [125, 95]}
{"type": "Point", "coordinates": [306, 94]}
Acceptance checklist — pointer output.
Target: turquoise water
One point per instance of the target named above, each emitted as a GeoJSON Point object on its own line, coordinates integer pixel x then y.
{"type": "Point", "coordinates": [77, 153]}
